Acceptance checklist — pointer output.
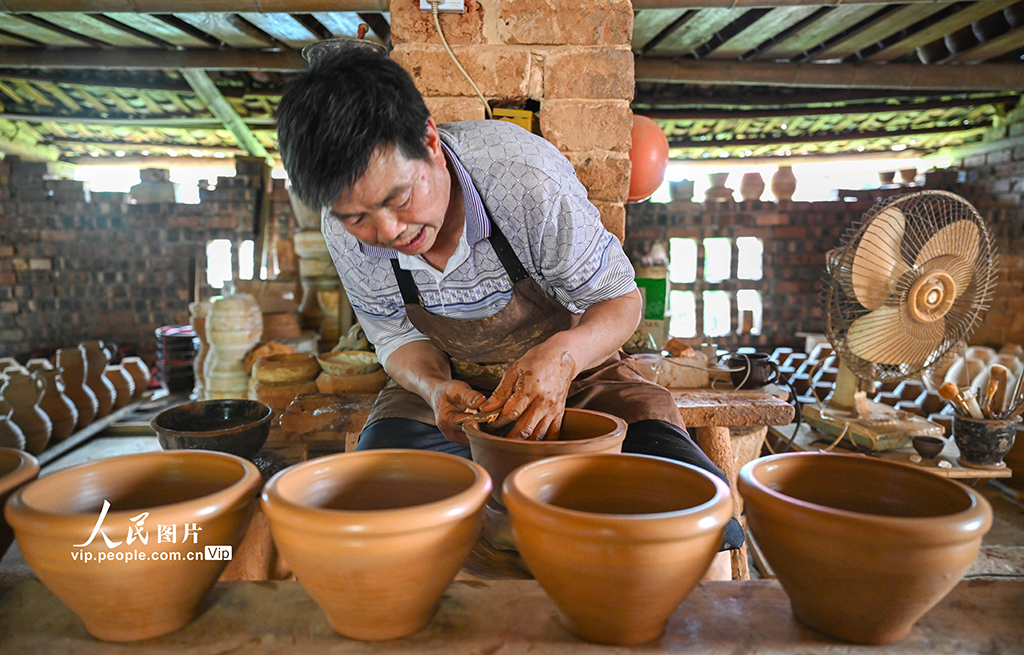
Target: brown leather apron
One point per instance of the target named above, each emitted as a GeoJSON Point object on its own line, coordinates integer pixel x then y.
{"type": "Point", "coordinates": [481, 349]}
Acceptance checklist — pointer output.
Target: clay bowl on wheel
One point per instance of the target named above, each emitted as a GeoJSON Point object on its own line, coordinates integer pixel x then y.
{"type": "Point", "coordinates": [617, 541]}
{"type": "Point", "coordinates": [376, 536]}
{"type": "Point", "coordinates": [583, 431]}
{"type": "Point", "coordinates": [144, 581]}
{"type": "Point", "coordinates": [233, 425]}
{"type": "Point", "coordinates": [863, 547]}
{"type": "Point", "coordinates": [16, 468]}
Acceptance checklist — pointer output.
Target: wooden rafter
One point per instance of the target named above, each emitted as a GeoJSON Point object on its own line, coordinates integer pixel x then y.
{"type": "Point", "coordinates": [980, 77]}
{"type": "Point", "coordinates": [152, 59]}
{"type": "Point", "coordinates": [197, 6]}
{"type": "Point", "coordinates": [827, 137]}
{"type": "Point", "coordinates": [222, 109]}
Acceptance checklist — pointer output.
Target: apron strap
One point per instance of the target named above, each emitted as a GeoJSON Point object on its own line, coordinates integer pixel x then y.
{"type": "Point", "coordinates": [406, 285]}
{"type": "Point", "coordinates": [508, 258]}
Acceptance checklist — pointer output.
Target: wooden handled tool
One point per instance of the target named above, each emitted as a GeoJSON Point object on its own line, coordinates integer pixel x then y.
{"type": "Point", "coordinates": [995, 399]}
{"type": "Point", "coordinates": [973, 408]}
{"type": "Point", "coordinates": [951, 393]}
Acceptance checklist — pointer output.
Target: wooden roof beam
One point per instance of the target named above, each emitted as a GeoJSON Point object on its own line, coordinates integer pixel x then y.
{"type": "Point", "coordinates": [639, 5]}
{"type": "Point", "coordinates": [980, 77]}
{"type": "Point", "coordinates": [825, 137]}
{"type": "Point", "coordinates": [196, 6]}
{"type": "Point", "coordinates": [872, 108]}
{"type": "Point", "coordinates": [153, 59]}
{"type": "Point", "coordinates": [222, 109]}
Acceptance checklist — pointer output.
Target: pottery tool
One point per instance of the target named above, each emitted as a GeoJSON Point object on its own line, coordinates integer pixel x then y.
{"type": "Point", "coordinates": [1015, 410]}
{"type": "Point", "coordinates": [973, 407]}
{"type": "Point", "coordinates": [485, 417]}
{"type": "Point", "coordinates": [995, 399]}
{"type": "Point", "coordinates": [951, 394]}
{"type": "Point", "coordinates": [1016, 390]}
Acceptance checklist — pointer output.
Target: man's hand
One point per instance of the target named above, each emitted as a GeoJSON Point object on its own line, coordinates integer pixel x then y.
{"type": "Point", "coordinates": [450, 401]}
{"type": "Point", "coordinates": [532, 393]}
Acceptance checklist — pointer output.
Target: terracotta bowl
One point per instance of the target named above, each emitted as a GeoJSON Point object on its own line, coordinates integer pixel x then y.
{"type": "Point", "coordinates": [290, 368]}
{"type": "Point", "coordinates": [583, 431]}
{"type": "Point", "coordinates": [348, 362]}
{"type": "Point", "coordinates": [235, 426]}
{"type": "Point", "coordinates": [147, 582]}
{"type": "Point", "coordinates": [16, 468]}
{"type": "Point", "coordinates": [376, 536]}
{"type": "Point", "coordinates": [863, 547]}
{"type": "Point", "coordinates": [617, 541]}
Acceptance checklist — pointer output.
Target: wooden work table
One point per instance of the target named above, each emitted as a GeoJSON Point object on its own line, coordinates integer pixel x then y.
{"type": "Point", "coordinates": [512, 617]}
{"type": "Point", "coordinates": [730, 427]}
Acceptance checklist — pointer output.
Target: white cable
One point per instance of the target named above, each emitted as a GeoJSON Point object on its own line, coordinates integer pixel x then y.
{"type": "Point", "coordinates": [437, 24]}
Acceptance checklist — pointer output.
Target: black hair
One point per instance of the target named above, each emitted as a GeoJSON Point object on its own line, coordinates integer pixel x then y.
{"type": "Point", "coordinates": [333, 117]}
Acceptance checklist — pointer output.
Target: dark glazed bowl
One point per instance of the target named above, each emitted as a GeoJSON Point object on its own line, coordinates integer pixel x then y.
{"type": "Point", "coordinates": [928, 447]}
{"type": "Point", "coordinates": [235, 426]}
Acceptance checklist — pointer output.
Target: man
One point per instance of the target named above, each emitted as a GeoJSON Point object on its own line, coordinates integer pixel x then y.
{"type": "Point", "coordinates": [474, 263]}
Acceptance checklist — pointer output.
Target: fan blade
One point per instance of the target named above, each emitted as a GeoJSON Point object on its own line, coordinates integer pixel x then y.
{"type": "Point", "coordinates": [960, 239]}
{"type": "Point", "coordinates": [877, 263]}
{"type": "Point", "coordinates": [889, 335]}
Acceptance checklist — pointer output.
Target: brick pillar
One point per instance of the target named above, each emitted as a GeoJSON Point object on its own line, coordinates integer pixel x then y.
{"type": "Point", "coordinates": [572, 57]}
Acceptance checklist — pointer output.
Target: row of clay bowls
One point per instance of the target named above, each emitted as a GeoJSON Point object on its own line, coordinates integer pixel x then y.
{"type": "Point", "coordinates": [863, 547]}
{"type": "Point", "coordinates": [43, 405]}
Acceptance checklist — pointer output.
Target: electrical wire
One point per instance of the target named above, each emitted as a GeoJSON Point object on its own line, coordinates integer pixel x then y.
{"type": "Point", "coordinates": [437, 24]}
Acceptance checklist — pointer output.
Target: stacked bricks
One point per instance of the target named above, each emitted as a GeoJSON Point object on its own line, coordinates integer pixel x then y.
{"type": "Point", "coordinates": [797, 236]}
{"type": "Point", "coordinates": [995, 185]}
{"type": "Point", "coordinates": [97, 267]}
{"type": "Point", "coordinates": [571, 58]}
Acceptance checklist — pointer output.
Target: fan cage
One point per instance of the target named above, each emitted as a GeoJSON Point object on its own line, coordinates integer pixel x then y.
{"type": "Point", "coordinates": [926, 212]}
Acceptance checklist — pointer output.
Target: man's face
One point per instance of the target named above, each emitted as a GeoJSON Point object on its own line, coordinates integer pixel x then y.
{"type": "Point", "coordinates": [398, 203]}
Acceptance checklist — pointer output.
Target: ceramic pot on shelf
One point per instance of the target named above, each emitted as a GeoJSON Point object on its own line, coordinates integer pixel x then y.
{"type": "Point", "coordinates": [124, 385]}
{"type": "Point", "coordinates": [717, 191]}
{"type": "Point", "coordinates": [10, 362]}
{"type": "Point", "coordinates": [751, 186]}
{"type": "Point", "coordinates": [140, 375]}
{"type": "Point", "coordinates": [98, 356]}
{"type": "Point", "coordinates": [11, 435]}
{"type": "Point", "coordinates": [23, 393]}
{"type": "Point", "coordinates": [37, 363]}
{"type": "Point", "coordinates": [56, 404]}
{"type": "Point", "coordinates": [783, 183]}
{"type": "Point", "coordinates": [73, 367]}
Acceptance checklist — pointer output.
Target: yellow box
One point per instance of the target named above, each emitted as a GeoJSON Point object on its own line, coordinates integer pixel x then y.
{"type": "Point", "coordinates": [521, 117]}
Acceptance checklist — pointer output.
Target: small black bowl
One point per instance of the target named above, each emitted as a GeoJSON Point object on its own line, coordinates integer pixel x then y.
{"type": "Point", "coordinates": [235, 426]}
{"type": "Point", "coordinates": [928, 447]}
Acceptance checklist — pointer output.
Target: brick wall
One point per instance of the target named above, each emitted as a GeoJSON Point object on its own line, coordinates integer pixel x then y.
{"type": "Point", "coordinates": [526, 52]}
{"type": "Point", "coordinates": [797, 237]}
{"type": "Point", "coordinates": [995, 185]}
{"type": "Point", "coordinates": [77, 266]}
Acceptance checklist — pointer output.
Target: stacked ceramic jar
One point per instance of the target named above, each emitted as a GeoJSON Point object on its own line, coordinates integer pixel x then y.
{"type": "Point", "coordinates": [233, 327]}
{"type": "Point", "coordinates": [320, 286]}
{"type": "Point", "coordinates": [20, 394]}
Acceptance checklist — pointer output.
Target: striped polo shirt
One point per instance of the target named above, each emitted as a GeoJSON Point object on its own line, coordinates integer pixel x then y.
{"type": "Point", "coordinates": [530, 191]}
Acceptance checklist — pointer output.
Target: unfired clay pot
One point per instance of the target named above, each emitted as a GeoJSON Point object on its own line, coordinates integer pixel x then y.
{"type": "Point", "coordinates": [97, 355]}
{"type": "Point", "coordinates": [863, 547]}
{"type": "Point", "coordinates": [583, 431]}
{"type": "Point", "coordinates": [56, 404]}
{"type": "Point", "coordinates": [140, 375]}
{"type": "Point", "coordinates": [23, 392]}
{"type": "Point", "coordinates": [211, 494]}
{"type": "Point", "coordinates": [124, 385]}
{"type": "Point", "coordinates": [751, 186]}
{"type": "Point", "coordinates": [73, 367]}
{"type": "Point", "coordinates": [617, 541]}
{"type": "Point", "coordinates": [286, 368]}
{"type": "Point", "coordinates": [11, 435]}
{"type": "Point", "coordinates": [783, 183]}
{"type": "Point", "coordinates": [376, 536]}
{"type": "Point", "coordinates": [16, 468]}
{"type": "Point", "coordinates": [233, 327]}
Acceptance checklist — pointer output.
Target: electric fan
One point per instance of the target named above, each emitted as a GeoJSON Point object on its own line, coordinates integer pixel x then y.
{"type": "Point", "coordinates": [906, 284]}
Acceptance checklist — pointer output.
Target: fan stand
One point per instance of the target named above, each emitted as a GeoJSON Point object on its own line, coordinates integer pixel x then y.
{"type": "Point", "coordinates": [867, 424]}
